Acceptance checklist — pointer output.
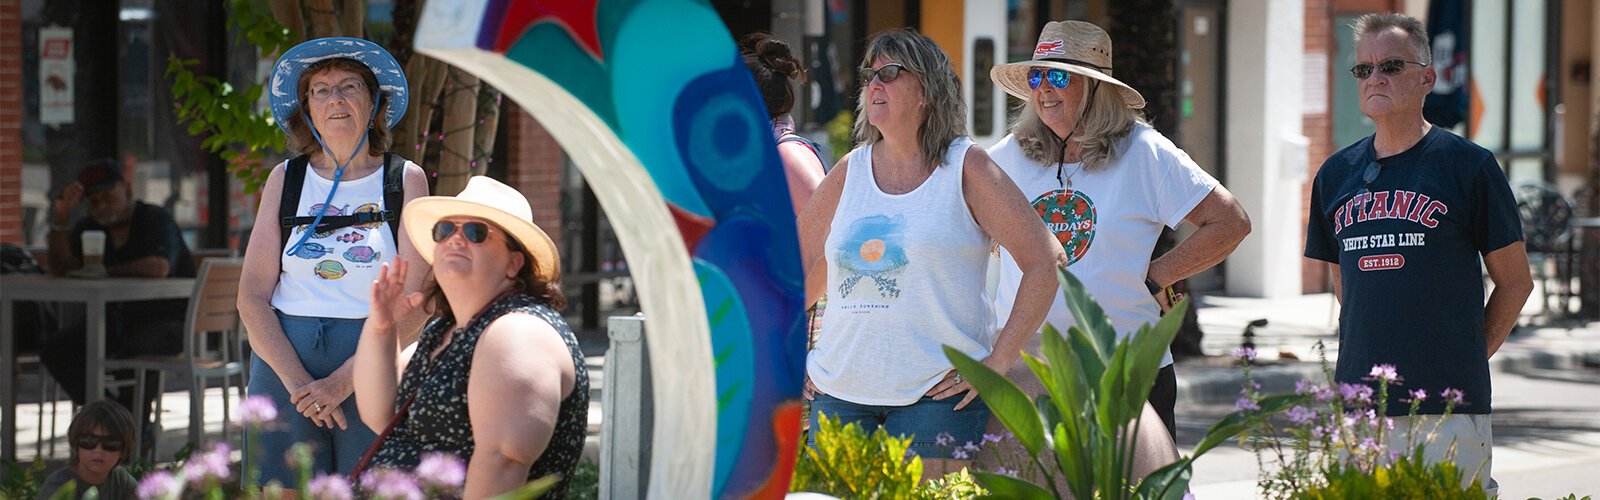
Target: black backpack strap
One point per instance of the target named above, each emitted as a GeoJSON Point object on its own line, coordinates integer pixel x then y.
{"type": "Point", "coordinates": [394, 191]}
{"type": "Point", "coordinates": [294, 179]}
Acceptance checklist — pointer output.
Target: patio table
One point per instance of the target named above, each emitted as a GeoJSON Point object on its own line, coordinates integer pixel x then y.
{"type": "Point", "coordinates": [94, 294]}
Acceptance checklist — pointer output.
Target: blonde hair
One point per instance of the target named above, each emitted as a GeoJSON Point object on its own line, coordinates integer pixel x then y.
{"type": "Point", "coordinates": [946, 117]}
{"type": "Point", "coordinates": [1101, 130]}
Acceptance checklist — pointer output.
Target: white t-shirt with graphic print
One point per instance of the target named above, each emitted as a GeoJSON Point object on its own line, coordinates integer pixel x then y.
{"type": "Point", "coordinates": [1108, 221]}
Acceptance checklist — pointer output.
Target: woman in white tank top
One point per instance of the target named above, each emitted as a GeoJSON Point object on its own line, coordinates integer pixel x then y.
{"type": "Point", "coordinates": [899, 235]}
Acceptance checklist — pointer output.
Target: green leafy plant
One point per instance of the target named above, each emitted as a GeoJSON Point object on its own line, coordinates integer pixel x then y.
{"type": "Point", "coordinates": [227, 117]}
{"type": "Point", "coordinates": [955, 485]}
{"type": "Point", "coordinates": [17, 481]}
{"type": "Point", "coordinates": [1096, 386]}
{"type": "Point", "coordinates": [1406, 477]}
{"type": "Point", "coordinates": [849, 463]}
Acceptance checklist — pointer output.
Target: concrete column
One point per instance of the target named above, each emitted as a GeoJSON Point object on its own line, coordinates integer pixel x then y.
{"type": "Point", "coordinates": [1266, 150]}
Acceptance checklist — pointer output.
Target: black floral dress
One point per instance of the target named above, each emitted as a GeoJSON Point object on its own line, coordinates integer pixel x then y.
{"type": "Point", "coordinates": [438, 420]}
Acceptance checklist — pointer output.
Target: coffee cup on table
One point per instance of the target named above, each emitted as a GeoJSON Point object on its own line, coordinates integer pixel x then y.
{"type": "Point", "coordinates": [94, 251]}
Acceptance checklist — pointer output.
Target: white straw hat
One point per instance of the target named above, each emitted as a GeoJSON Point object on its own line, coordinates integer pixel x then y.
{"type": "Point", "coordinates": [1079, 48]}
{"type": "Point", "coordinates": [490, 200]}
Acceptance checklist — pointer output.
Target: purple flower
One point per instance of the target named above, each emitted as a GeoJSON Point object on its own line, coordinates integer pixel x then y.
{"type": "Point", "coordinates": [944, 439]}
{"type": "Point", "coordinates": [160, 485]}
{"type": "Point", "coordinates": [1419, 395]}
{"type": "Point", "coordinates": [391, 484]}
{"type": "Point", "coordinates": [1453, 395]}
{"type": "Point", "coordinates": [1384, 373]}
{"type": "Point", "coordinates": [1355, 393]}
{"type": "Point", "coordinates": [970, 447]}
{"type": "Point", "coordinates": [330, 487]}
{"type": "Point", "coordinates": [1244, 354]}
{"type": "Point", "coordinates": [1305, 387]}
{"type": "Point", "coordinates": [1368, 444]}
{"type": "Point", "coordinates": [991, 438]}
{"type": "Point", "coordinates": [441, 472]}
{"type": "Point", "coordinates": [208, 465]}
{"type": "Point", "coordinates": [1005, 472]}
{"type": "Point", "coordinates": [958, 454]}
{"type": "Point", "coordinates": [1301, 415]}
{"type": "Point", "coordinates": [256, 410]}
{"type": "Point", "coordinates": [1188, 495]}
{"type": "Point", "coordinates": [1245, 404]}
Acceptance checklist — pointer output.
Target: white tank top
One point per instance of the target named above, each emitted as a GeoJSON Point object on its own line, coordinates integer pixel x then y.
{"type": "Point", "coordinates": [331, 275]}
{"type": "Point", "coordinates": [905, 278]}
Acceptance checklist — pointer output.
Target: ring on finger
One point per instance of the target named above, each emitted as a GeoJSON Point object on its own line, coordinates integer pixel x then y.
{"type": "Point", "coordinates": [958, 378]}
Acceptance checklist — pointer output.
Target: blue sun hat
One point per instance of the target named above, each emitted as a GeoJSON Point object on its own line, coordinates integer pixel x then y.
{"type": "Point", "coordinates": [284, 92]}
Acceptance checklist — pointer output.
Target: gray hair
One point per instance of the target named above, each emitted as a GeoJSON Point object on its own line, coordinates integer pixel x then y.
{"type": "Point", "coordinates": [1414, 30]}
{"type": "Point", "coordinates": [946, 117]}
{"type": "Point", "coordinates": [1101, 130]}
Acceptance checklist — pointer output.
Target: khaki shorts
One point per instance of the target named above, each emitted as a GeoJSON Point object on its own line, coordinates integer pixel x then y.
{"type": "Point", "coordinates": [1467, 440]}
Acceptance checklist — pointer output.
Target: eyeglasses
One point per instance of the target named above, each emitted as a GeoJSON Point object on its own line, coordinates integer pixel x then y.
{"type": "Point", "coordinates": [350, 89]}
{"type": "Point", "coordinates": [888, 73]}
{"type": "Point", "coordinates": [474, 231]}
{"type": "Point", "coordinates": [1059, 78]}
{"type": "Point", "coordinates": [107, 443]}
{"type": "Point", "coordinates": [1370, 175]}
{"type": "Point", "coordinates": [1389, 67]}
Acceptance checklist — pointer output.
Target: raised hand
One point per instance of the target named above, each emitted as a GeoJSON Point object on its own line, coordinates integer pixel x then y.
{"type": "Point", "coordinates": [390, 303]}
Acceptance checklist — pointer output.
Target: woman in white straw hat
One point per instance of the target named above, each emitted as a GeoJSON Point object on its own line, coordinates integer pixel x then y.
{"type": "Point", "coordinates": [1106, 183]}
{"type": "Point", "coordinates": [327, 219]}
{"type": "Point", "coordinates": [903, 227]}
{"type": "Point", "coordinates": [496, 377]}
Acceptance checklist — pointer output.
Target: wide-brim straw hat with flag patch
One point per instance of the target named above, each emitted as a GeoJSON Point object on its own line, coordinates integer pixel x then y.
{"type": "Point", "coordinates": [1079, 48]}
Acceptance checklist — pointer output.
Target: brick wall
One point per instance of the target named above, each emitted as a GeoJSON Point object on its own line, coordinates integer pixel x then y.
{"type": "Point", "coordinates": [11, 121]}
{"type": "Point", "coordinates": [533, 167]}
{"type": "Point", "coordinates": [1317, 128]}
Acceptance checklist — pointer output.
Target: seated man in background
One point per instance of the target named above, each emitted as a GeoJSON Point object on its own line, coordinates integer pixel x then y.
{"type": "Point", "coordinates": [142, 241]}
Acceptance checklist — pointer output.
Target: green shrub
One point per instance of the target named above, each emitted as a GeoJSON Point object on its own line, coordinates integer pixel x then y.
{"type": "Point", "coordinates": [1407, 477]}
{"type": "Point", "coordinates": [955, 485]}
{"type": "Point", "coordinates": [1096, 386]}
{"type": "Point", "coordinates": [849, 463]}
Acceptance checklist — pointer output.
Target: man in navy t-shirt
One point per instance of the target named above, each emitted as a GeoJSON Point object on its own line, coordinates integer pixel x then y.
{"type": "Point", "coordinates": [142, 241]}
{"type": "Point", "coordinates": [1403, 217]}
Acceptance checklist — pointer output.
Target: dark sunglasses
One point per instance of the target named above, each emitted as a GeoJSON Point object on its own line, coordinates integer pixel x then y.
{"type": "Point", "coordinates": [1389, 67]}
{"type": "Point", "coordinates": [107, 443]}
{"type": "Point", "coordinates": [1059, 78]}
{"type": "Point", "coordinates": [474, 231]}
{"type": "Point", "coordinates": [888, 73]}
{"type": "Point", "coordinates": [1371, 174]}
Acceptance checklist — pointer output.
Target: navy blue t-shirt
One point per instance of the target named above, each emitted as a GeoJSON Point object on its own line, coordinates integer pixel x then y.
{"type": "Point", "coordinates": [154, 233]}
{"type": "Point", "coordinates": [1409, 254]}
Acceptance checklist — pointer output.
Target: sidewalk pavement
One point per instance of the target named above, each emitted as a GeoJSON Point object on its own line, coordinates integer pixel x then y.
{"type": "Point", "coordinates": [1287, 351]}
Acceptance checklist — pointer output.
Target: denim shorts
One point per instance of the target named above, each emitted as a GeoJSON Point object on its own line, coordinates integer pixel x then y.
{"type": "Point", "coordinates": [323, 344]}
{"type": "Point", "coordinates": [923, 420]}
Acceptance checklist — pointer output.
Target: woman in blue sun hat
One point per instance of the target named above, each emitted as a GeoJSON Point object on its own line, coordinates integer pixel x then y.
{"type": "Point", "coordinates": [328, 220]}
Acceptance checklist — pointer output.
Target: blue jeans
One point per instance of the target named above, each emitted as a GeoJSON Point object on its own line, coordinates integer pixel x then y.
{"type": "Point", "coordinates": [323, 344]}
{"type": "Point", "coordinates": [923, 420]}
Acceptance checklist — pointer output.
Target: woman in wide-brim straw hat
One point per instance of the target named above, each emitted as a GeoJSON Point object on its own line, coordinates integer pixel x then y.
{"type": "Point", "coordinates": [1107, 184]}
{"type": "Point", "coordinates": [304, 292]}
{"type": "Point", "coordinates": [900, 233]}
{"type": "Point", "coordinates": [496, 377]}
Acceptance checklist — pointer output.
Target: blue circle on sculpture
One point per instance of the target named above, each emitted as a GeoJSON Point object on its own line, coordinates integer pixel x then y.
{"type": "Point", "coordinates": [717, 131]}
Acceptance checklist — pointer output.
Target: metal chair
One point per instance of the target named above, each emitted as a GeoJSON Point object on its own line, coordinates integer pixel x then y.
{"type": "Point", "coordinates": [1546, 226]}
{"type": "Point", "coordinates": [212, 309]}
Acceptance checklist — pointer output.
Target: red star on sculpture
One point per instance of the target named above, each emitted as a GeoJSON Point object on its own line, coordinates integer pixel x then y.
{"type": "Point", "coordinates": [575, 16]}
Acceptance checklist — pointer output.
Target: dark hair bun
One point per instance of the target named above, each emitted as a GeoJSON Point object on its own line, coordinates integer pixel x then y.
{"type": "Point", "coordinates": [773, 65]}
{"type": "Point", "coordinates": [774, 54]}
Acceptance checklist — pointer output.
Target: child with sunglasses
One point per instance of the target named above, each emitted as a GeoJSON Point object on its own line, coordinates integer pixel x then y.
{"type": "Point", "coordinates": [99, 434]}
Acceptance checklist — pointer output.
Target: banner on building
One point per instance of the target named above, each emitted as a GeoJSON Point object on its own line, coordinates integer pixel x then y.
{"type": "Point", "coordinates": [1449, 103]}
{"type": "Point", "coordinates": [56, 68]}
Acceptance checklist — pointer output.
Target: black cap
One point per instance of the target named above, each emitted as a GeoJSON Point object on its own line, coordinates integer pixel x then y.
{"type": "Point", "coordinates": [100, 175]}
